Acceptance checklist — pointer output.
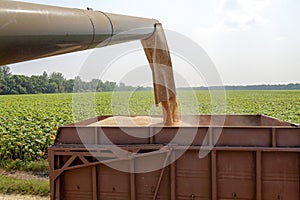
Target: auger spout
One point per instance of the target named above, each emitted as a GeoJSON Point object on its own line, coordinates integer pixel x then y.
{"type": "Point", "coordinates": [30, 31]}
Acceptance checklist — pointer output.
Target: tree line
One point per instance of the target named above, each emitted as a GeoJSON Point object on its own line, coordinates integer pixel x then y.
{"type": "Point", "coordinates": [53, 83]}
{"type": "Point", "coordinates": [290, 86]}
{"type": "Point", "coordinates": [57, 83]}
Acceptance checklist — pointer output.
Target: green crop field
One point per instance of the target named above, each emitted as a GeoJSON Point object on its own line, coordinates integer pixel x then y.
{"type": "Point", "coordinates": [28, 123]}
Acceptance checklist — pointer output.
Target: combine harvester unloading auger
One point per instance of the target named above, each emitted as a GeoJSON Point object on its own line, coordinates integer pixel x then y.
{"type": "Point", "coordinates": [31, 31]}
{"type": "Point", "coordinates": [245, 156]}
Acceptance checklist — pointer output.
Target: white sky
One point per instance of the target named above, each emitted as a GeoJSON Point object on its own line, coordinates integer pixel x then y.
{"type": "Point", "coordinates": [250, 41]}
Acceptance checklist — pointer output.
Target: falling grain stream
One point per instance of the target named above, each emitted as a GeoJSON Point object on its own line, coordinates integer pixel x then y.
{"type": "Point", "coordinates": [158, 55]}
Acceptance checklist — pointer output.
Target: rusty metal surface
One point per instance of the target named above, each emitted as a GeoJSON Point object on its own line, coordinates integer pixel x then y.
{"type": "Point", "coordinates": [237, 130]}
{"type": "Point", "coordinates": [258, 159]}
{"type": "Point", "coordinates": [30, 31]}
{"type": "Point", "coordinates": [251, 173]}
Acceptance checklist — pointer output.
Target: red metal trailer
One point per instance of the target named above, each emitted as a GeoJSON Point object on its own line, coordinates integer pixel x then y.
{"type": "Point", "coordinates": [254, 157]}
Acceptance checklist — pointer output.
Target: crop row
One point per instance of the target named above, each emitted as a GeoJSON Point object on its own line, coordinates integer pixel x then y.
{"type": "Point", "coordinates": [28, 123]}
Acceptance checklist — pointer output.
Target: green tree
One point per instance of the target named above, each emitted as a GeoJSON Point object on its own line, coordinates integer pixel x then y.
{"type": "Point", "coordinates": [58, 79]}
{"type": "Point", "coordinates": [69, 85]}
{"type": "Point", "coordinates": [4, 77]}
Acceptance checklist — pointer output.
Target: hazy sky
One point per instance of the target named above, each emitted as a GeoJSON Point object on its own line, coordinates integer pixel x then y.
{"type": "Point", "coordinates": [250, 41]}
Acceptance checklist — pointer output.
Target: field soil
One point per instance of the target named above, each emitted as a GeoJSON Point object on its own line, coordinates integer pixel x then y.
{"type": "Point", "coordinates": [21, 197]}
{"type": "Point", "coordinates": [23, 175]}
